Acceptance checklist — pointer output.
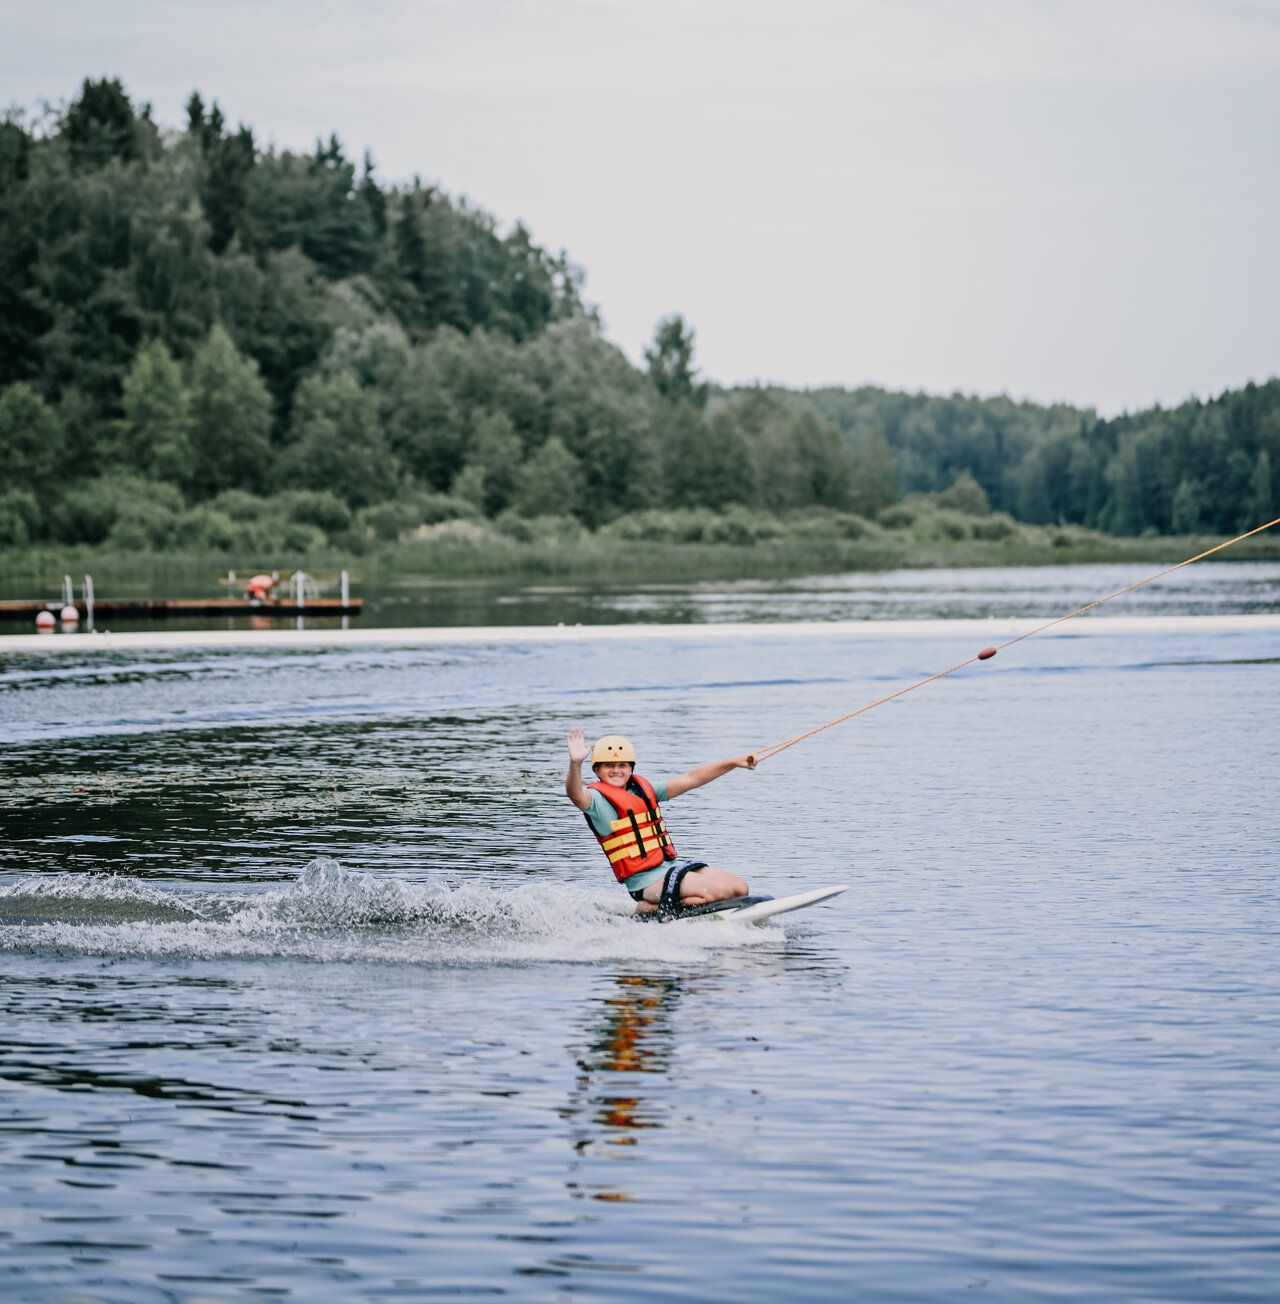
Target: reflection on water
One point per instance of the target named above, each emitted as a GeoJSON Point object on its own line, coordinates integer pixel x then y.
{"type": "Point", "coordinates": [633, 1036]}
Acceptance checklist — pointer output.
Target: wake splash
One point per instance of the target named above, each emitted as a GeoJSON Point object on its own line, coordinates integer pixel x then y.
{"type": "Point", "coordinates": [330, 914]}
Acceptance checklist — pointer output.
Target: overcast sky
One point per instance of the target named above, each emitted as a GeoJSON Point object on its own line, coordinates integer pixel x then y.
{"type": "Point", "coordinates": [1054, 199]}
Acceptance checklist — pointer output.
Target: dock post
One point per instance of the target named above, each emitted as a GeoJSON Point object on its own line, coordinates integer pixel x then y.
{"type": "Point", "coordinates": [346, 590]}
{"type": "Point", "coordinates": [88, 601]}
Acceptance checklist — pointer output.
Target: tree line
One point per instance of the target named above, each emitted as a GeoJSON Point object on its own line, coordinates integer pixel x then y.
{"type": "Point", "coordinates": [1199, 467]}
{"type": "Point", "coordinates": [209, 343]}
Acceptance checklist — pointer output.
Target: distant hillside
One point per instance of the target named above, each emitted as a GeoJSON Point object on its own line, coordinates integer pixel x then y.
{"type": "Point", "coordinates": [209, 344]}
{"type": "Point", "coordinates": [1211, 466]}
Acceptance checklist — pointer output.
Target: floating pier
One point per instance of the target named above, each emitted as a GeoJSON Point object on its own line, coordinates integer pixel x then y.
{"type": "Point", "coordinates": [298, 602]}
{"type": "Point", "coordinates": [24, 610]}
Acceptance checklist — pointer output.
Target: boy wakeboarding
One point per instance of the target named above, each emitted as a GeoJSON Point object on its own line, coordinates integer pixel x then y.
{"type": "Point", "coordinates": [623, 810]}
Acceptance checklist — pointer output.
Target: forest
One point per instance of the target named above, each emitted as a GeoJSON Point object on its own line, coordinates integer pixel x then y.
{"type": "Point", "coordinates": [208, 344]}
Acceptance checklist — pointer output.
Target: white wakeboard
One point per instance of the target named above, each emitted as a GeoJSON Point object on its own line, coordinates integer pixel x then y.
{"type": "Point", "coordinates": [756, 911]}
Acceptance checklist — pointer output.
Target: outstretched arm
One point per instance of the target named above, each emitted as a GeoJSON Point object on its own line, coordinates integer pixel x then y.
{"type": "Point", "coordinates": [573, 785]}
{"type": "Point", "coordinates": [701, 774]}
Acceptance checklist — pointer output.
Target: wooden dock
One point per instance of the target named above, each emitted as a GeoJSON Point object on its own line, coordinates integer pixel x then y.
{"type": "Point", "coordinates": [160, 607]}
{"type": "Point", "coordinates": [261, 598]}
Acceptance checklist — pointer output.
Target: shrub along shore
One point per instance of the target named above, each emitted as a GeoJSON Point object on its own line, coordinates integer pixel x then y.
{"type": "Point", "coordinates": [456, 545]}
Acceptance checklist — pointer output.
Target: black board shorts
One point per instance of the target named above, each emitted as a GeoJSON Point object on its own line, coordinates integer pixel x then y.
{"type": "Point", "coordinates": [687, 866]}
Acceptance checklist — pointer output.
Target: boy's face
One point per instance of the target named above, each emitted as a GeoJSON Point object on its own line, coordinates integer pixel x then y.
{"type": "Point", "coordinates": [614, 772]}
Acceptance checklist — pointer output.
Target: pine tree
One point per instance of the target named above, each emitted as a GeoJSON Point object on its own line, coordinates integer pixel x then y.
{"type": "Point", "coordinates": [374, 200]}
{"type": "Point", "coordinates": [670, 359]}
{"type": "Point", "coordinates": [100, 124]}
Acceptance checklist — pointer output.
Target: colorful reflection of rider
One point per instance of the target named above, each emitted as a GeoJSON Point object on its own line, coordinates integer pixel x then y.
{"type": "Point", "coordinates": [633, 1035]}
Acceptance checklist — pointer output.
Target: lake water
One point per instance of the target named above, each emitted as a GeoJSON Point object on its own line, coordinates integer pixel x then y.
{"type": "Point", "coordinates": [414, 601]}
{"type": "Point", "coordinates": [315, 985]}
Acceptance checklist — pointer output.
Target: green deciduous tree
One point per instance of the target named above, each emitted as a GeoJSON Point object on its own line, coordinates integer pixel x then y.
{"type": "Point", "coordinates": [431, 402]}
{"type": "Point", "coordinates": [231, 419]}
{"type": "Point", "coordinates": [154, 434]}
{"type": "Point", "coordinates": [80, 284]}
{"type": "Point", "coordinates": [965, 495]}
{"type": "Point", "coordinates": [30, 440]}
{"type": "Point", "coordinates": [798, 458]}
{"type": "Point", "coordinates": [549, 483]}
{"type": "Point", "coordinates": [1186, 511]}
{"type": "Point", "coordinates": [336, 443]}
{"type": "Point", "coordinates": [1262, 490]}
{"type": "Point", "coordinates": [20, 517]}
{"type": "Point", "coordinates": [706, 463]}
{"type": "Point", "coordinates": [90, 510]}
{"type": "Point", "coordinates": [875, 477]}
{"type": "Point", "coordinates": [22, 322]}
{"type": "Point", "coordinates": [495, 454]}
{"type": "Point", "coordinates": [279, 312]}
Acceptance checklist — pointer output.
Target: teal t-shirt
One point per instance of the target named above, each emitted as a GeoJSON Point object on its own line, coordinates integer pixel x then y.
{"type": "Point", "coordinates": [601, 815]}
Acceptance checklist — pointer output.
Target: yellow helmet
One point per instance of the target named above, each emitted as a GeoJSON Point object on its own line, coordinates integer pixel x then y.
{"type": "Point", "coordinates": [612, 747]}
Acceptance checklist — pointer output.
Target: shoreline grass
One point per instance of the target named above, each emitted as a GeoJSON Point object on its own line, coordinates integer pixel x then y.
{"type": "Point", "coordinates": [478, 555]}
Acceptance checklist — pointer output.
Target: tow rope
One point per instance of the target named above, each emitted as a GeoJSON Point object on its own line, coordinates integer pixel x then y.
{"type": "Point", "coordinates": [764, 753]}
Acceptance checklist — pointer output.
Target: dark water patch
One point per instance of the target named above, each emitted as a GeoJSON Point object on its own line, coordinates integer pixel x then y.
{"type": "Point", "coordinates": [1225, 661]}
{"type": "Point", "coordinates": [72, 1078]}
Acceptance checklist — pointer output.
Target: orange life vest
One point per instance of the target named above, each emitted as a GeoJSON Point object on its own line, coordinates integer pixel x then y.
{"type": "Point", "coordinates": [638, 838]}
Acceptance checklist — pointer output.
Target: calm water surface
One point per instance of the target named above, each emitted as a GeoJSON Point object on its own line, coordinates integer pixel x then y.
{"type": "Point", "coordinates": [313, 986]}
{"type": "Point", "coordinates": [1211, 588]}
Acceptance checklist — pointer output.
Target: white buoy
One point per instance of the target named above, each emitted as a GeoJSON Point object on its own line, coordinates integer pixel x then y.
{"type": "Point", "coordinates": [69, 616]}
{"type": "Point", "coordinates": [45, 622]}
